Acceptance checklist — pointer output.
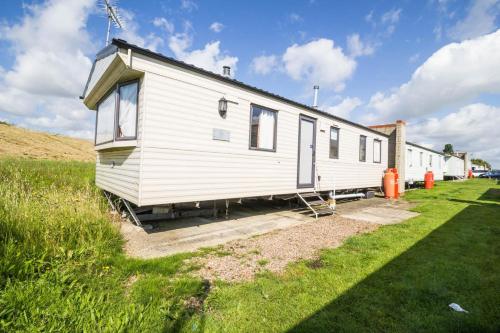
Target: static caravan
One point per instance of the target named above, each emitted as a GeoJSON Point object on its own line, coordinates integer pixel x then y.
{"type": "Point", "coordinates": [455, 167]}
{"type": "Point", "coordinates": [168, 133]}
{"type": "Point", "coordinates": [419, 160]}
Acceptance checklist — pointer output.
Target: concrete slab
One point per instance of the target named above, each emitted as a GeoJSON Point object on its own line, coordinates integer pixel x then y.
{"type": "Point", "coordinates": [190, 234]}
{"type": "Point", "coordinates": [380, 215]}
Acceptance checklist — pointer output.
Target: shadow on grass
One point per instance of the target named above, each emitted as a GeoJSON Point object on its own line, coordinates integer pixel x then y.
{"type": "Point", "coordinates": [457, 262]}
{"type": "Point", "coordinates": [493, 194]}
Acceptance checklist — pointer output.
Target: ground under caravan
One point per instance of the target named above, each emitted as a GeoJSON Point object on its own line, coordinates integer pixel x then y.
{"type": "Point", "coordinates": [419, 160]}
{"type": "Point", "coordinates": [168, 132]}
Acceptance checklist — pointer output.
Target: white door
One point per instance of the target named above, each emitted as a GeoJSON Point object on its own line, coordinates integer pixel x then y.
{"type": "Point", "coordinates": [307, 134]}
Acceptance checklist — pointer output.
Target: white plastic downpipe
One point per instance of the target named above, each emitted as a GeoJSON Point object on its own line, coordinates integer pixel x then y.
{"type": "Point", "coordinates": [334, 196]}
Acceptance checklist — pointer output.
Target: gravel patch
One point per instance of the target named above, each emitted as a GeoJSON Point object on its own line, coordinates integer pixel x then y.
{"type": "Point", "coordinates": [242, 259]}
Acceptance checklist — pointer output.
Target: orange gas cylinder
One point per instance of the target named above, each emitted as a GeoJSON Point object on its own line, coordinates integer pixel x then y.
{"type": "Point", "coordinates": [389, 184]}
{"type": "Point", "coordinates": [471, 175]}
{"type": "Point", "coordinates": [429, 180]}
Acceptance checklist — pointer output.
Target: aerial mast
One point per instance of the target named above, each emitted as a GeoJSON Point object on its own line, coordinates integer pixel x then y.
{"type": "Point", "coordinates": [113, 16]}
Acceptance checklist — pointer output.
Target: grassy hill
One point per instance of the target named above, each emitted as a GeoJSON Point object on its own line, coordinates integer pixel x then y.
{"type": "Point", "coordinates": [20, 142]}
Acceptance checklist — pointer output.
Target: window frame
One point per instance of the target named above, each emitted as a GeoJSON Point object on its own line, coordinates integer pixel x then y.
{"type": "Point", "coordinates": [421, 157]}
{"type": "Point", "coordinates": [410, 157]}
{"type": "Point", "coordinates": [359, 148]}
{"type": "Point", "coordinates": [118, 86]}
{"type": "Point", "coordinates": [379, 152]}
{"type": "Point", "coordinates": [115, 89]}
{"type": "Point", "coordinates": [430, 160]}
{"type": "Point", "coordinates": [338, 143]}
{"type": "Point", "coordinates": [275, 135]}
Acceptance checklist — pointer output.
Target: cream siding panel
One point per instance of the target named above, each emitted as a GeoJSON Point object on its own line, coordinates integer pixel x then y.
{"type": "Point", "coordinates": [181, 162]}
{"type": "Point", "coordinates": [416, 172]}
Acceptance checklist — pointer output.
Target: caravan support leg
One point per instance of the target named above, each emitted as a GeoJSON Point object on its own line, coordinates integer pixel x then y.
{"type": "Point", "coordinates": [215, 209]}
{"type": "Point", "coordinates": [227, 209]}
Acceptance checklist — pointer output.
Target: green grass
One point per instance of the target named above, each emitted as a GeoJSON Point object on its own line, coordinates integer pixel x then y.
{"type": "Point", "coordinates": [62, 268]}
{"type": "Point", "coordinates": [400, 278]}
{"type": "Point", "coordinates": [61, 261]}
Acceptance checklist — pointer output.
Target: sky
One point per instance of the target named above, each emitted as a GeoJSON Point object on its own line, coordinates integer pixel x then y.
{"type": "Point", "coordinates": [433, 63]}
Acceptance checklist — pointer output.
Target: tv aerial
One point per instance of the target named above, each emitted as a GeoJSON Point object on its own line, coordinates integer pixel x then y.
{"type": "Point", "coordinates": [113, 16]}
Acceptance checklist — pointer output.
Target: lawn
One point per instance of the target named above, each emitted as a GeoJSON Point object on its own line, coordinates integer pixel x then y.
{"type": "Point", "coordinates": [62, 268]}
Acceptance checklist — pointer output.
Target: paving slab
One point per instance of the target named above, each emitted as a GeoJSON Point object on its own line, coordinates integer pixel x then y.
{"type": "Point", "coordinates": [380, 215]}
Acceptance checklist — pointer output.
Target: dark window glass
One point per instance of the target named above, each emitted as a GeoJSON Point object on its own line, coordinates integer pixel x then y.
{"type": "Point", "coordinates": [263, 129]}
{"type": "Point", "coordinates": [362, 148]}
{"type": "Point", "coordinates": [334, 142]}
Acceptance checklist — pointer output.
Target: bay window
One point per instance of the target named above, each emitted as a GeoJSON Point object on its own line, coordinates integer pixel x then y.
{"type": "Point", "coordinates": [105, 119]}
{"type": "Point", "coordinates": [116, 117]}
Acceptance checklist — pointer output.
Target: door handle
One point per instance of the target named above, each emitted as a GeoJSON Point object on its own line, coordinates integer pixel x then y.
{"type": "Point", "coordinates": [311, 146]}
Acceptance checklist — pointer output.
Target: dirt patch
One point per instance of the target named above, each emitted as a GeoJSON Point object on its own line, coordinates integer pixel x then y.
{"type": "Point", "coordinates": [20, 142]}
{"type": "Point", "coordinates": [273, 251]}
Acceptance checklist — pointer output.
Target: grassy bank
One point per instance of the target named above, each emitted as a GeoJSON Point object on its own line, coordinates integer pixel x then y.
{"type": "Point", "coordinates": [62, 268]}
{"type": "Point", "coordinates": [61, 263]}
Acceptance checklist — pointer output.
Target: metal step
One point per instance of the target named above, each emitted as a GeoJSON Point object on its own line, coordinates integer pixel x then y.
{"type": "Point", "coordinates": [308, 194]}
{"type": "Point", "coordinates": [317, 206]}
{"type": "Point", "coordinates": [316, 202]}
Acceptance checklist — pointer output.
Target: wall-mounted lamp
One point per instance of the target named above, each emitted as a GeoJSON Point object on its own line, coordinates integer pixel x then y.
{"type": "Point", "coordinates": [223, 107]}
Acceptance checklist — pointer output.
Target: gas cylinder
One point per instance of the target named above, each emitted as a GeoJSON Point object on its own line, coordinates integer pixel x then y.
{"type": "Point", "coordinates": [429, 180]}
{"type": "Point", "coordinates": [389, 184]}
{"type": "Point", "coordinates": [471, 175]}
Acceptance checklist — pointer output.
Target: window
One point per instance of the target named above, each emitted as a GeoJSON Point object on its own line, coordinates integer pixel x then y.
{"type": "Point", "coordinates": [410, 158]}
{"type": "Point", "coordinates": [117, 114]}
{"type": "Point", "coordinates": [421, 159]}
{"type": "Point", "coordinates": [263, 129]}
{"type": "Point", "coordinates": [105, 119]}
{"type": "Point", "coordinates": [334, 142]}
{"type": "Point", "coordinates": [377, 151]}
{"type": "Point", "coordinates": [430, 160]}
{"type": "Point", "coordinates": [362, 148]}
{"type": "Point", "coordinates": [127, 111]}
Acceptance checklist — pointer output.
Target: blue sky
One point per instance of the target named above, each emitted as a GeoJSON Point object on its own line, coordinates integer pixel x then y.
{"type": "Point", "coordinates": [432, 63]}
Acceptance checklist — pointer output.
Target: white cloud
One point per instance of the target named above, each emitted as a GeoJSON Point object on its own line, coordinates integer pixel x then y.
{"type": "Point", "coordinates": [188, 5]}
{"type": "Point", "coordinates": [455, 73]}
{"type": "Point", "coordinates": [344, 108]}
{"type": "Point", "coordinates": [210, 57]}
{"type": "Point", "coordinates": [216, 27]}
{"type": "Point", "coordinates": [414, 58]}
{"type": "Point", "coordinates": [357, 47]}
{"type": "Point", "coordinates": [50, 67]}
{"type": "Point", "coordinates": [390, 19]}
{"type": "Point", "coordinates": [480, 19]}
{"type": "Point", "coordinates": [294, 17]}
{"type": "Point", "coordinates": [319, 62]}
{"type": "Point", "coordinates": [264, 64]}
{"type": "Point", "coordinates": [163, 23]}
{"type": "Point", "coordinates": [369, 18]}
{"type": "Point", "coordinates": [131, 32]}
{"type": "Point", "coordinates": [473, 129]}
{"type": "Point", "coordinates": [391, 16]}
